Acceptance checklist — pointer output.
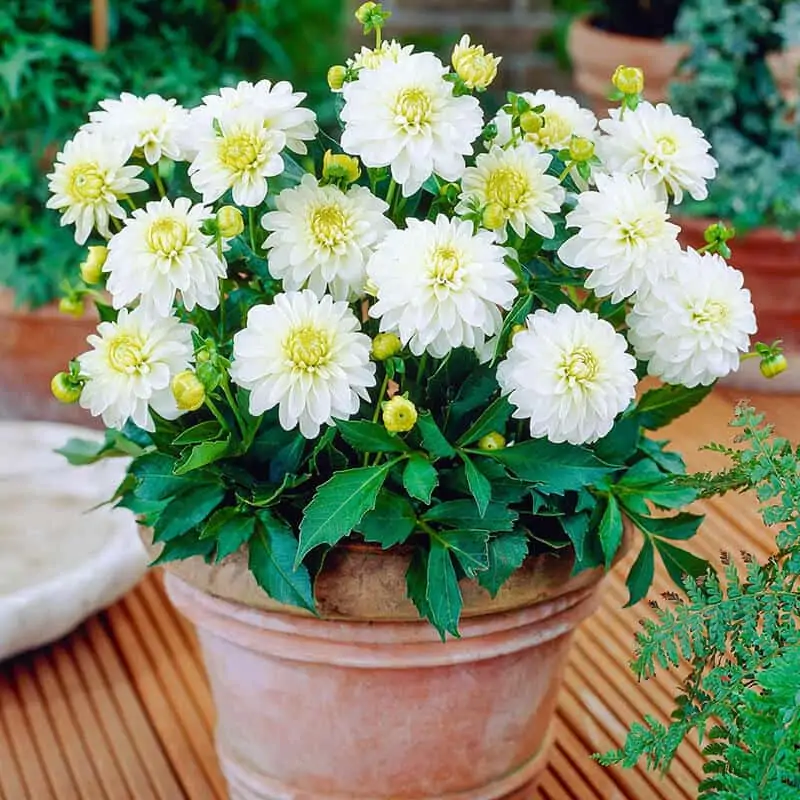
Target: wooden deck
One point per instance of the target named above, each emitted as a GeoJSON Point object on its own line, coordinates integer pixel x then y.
{"type": "Point", "coordinates": [121, 708]}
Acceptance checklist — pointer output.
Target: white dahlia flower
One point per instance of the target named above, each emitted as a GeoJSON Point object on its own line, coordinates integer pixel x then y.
{"type": "Point", "coordinates": [693, 326]}
{"type": "Point", "coordinates": [624, 237]}
{"type": "Point", "coordinates": [89, 179]}
{"type": "Point", "coordinates": [403, 115]}
{"type": "Point", "coordinates": [367, 58]}
{"type": "Point", "coordinates": [321, 237]}
{"type": "Point", "coordinates": [151, 126]}
{"type": "Point", "coordinates": [563, 119]}
{"type": "Point", "coordinates": [162, 251]}
{"type": "Point", "coordinates": [131, 365]}
{"type": "Point", "coordinates": [306, 356]}
{"type": "Point", "coordinates": [440, 285]}
{"type": "Point", "coordinates": [239, 152]}
{"type": "Point", "coordinates": [661, 146]}
{"type": "Point", "coordinates": [514, 183]}
{"type": "Point", "coordinates": [569, 374]}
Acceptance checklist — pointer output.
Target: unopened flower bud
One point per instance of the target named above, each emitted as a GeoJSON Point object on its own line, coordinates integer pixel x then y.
{"type": "Point", "coordinates": [188, 391]}
{"type": "Point", "coordinates": [92, 267]}
{"type": "Point", "coordinates": [399, 414]}
{"type": "Point", "coordinates": [364, 11]}
{"type": "Point", "coordinates": [230, 222]}
{"type": "Point", "coordinates": [385, 346]}
{"type": "Point", "coordinates": [515, 329]}
{"type": "Point", "coordinates": [476, 68]}
{"type": "Point", "coordinates": [209, 374]}
{"type": "Point", "coordinates": [494, 217]}
{"type": "Point", "coordinates": [629, 80]}
{"type": "Point", "coordinates": [492, 441]}
{"type": "Point", "coordinates": [336, 77]}
{"type": "Point", "coordinates": [531, 122]}
{"type": "Point", "coordinates": [71, 305]}
{"type": "Point", "coordinates": [65, 388]}
{"type": "Point", "coordinates": [580, 148]}
{"type": "Point", "coordinates": [340, 167]}
{"type": "Point", "coordinates": [773, 365]}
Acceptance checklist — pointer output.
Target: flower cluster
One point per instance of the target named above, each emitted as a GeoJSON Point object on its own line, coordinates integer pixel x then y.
{"type": "Point", "coordinates": [429, 277]}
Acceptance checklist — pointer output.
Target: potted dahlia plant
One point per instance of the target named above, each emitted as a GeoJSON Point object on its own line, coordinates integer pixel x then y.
{"type": "Point", "coordinates": [380, 394]}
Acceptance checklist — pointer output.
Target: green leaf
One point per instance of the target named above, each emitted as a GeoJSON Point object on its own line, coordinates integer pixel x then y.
{"type": "Point", "coordinates": [231, 528]}
{"type": "Point", "coordinates": [417, 582]}
{"type": "Point", "coordinates": [640, 578]}
{"type": "Point", "coordinates": [432, 437]}
{"type": "Point", "coordinates": [679, 527]}
{"type": "Point", "coordinates": [620, 444]}
{"type": "Point", "coordinates": [80, 452]}
{"type": "Point", "coordinates": [556, 468]}
{"type": "Point", "coordinates": [339, 505]}
{"type": "Point", "coordinates": [186, 511]}
{"type": "Point", "coordinates": [668, 461]}
{"type": "Point", "coordinates": [479, 485]}
{"type": "Point", "coordinates": [369, 437]}
{"type": "Point", "coordinates": [506, 554]}
{"type": "Point", "coordinates": [273, 555]}
{"type": "Point", "coordinates": [391, 522]}
{"type": "Point", "coordinates": [269, 494]}
{"type": "Point", "coordinates": [519, 311]}
{"type": "Point", "coordinates": [443, 594]}
{"type": "Point", "coordinates": [217, 520]}
{"type": "Point", "coordinates": [463, 514]}
{"type": "Point", "coordinates": [202, 432]}
{"type": "Point", "coordinates": [420, 478]}
{"type": "Point", "coordinates": [646, 481]}
{"type": "Point", "coordinates": [494, 418]}
{"type": "Point", "coordinates": [183, 547]}
{"type": "Point", "coordinates": [201, 455]}
{"type": "Point", "coordinates": [611, 531]}
{"type": "Point", "coordinates": [659, 407]}
{"type": "Point", "coordinates": [156, 480]}
{"type": "Point", "coordinates": [680, 562]}
{"type": "Point", "coordinates": [469, 547]}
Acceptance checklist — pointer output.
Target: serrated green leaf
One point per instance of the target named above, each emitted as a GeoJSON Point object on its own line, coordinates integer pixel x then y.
{"type": "Point", "coordinates": [369, 437]}
{"type": "Point", "coordinates": [186, 511]}
{"type": "Point", "coordinates": [231, 528]}
{"type": "Point", "coordinates": [646, 481]}
{"type": "Point", "coordinates": [494, 418]}
{"type": "Point", "coordinates": [505, 554]}
{"type": "Point", "coordinates": [339, 505]}
{"type": "Point", "coordinates": [680, 562]}
{"type": "Point", "coordinates": [219, 518]}
{"type": "Point", "coordinates": [640, 578]}
{"type": "Point", "coordinates": [479, 485]}
{"type": "Point", "coordinates": [516, 316]}
{"type": "Point", "coordinates": [183, 547]}
{"type": "Point", "coordinates": [442, 593]}
{"type": "Point", "coordinates": [273, 555]}
{"type": "Point", "coordinates": [463, 514]}
{"type": "Point", "coordinates": [155, 478]}
{"type": "Point", "coordinates": [679, 527]}
{"type": "Point", "coordinates": [659, 407]}
{"type": "Point", "coordinates": [202, 432]}
{"type": "Point", "coordinates": [201, 455]}
{"type": "Point", "coordinates": [621, 443]}
{"type": "Point", "coordinates": [611, 531]}
{"type": "Point", "coordinates": [420, 478]}
{"type": "Point", "coordinates": [417, 582]}
{"type": "Point", "coordinates": [668, 461]}
{"type": "Point", "coordinates": [469, 548]}
{"type": "Point", "coordinates": [433, 439]}
{"type": "Point", "coordinates": [391, 522]}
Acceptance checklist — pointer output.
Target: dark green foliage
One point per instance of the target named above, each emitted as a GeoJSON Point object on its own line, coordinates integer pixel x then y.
{"type": "Point", "coordinates": [739, 635]}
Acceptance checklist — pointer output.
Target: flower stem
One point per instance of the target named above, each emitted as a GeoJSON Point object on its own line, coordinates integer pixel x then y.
{"type": "Point", "coordinates": [565, 172]}
{"type": "Point", "coordinates": [382, 392]}
{"type": "Point", "coordinates": [226, 390]}
{"type": "Point", "coordinates": [216, 412]}
{"type": "Point", "coordinates": [390, 194]}
{"type": "Point", "coordinates": [251, 223]}
{"type": "Point", "coordinates": [159, 183]}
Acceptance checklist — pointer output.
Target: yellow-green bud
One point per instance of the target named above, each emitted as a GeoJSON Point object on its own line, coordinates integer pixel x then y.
{"type": "Point", "coordinates": [336, 77]}
{"type": "Point", "coordinates": [399, 414]}
{"type": "Point", "coordinates": [773, 365]}
{"type": "Point", "coordinates": [385, 346]}
{"type": "Point", "coordinates": [492, 441]}
{"type": "Point", "coordinates": [531, 122]}
{"type": "Point", "coordinates": [515, 329]}
{"type": "Point", "coordinates": [230, 222]}
{"type": "Point", "coordinates": [494, 216]}
{"type": "Point", "coordinates": [476, 68]}
{"type": "Point", "coordinates": [71, 305]}
{"type": "Point", "coordinates": [364, 11]}
{"type": "Point", "coordinates": [187, 390]}
{"type": "Point", "coordinates": [581, 149]}
{"type": "Point", "coordinates": [629, 80]}
{"type": "Point", "coordinates": [64, 388]}
{"type": "Point", "coordinates": [340, 167]}
{"type": "Point", "coordinates": [92, 267]}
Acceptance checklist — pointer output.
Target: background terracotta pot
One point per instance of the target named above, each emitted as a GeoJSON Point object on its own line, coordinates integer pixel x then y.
{"type": "Point", "coordinates": [596, 53]}
{"type": "Point", "coordinates": [34, 345]}
{"type": "Point", "coordinates": [770, 262]}
{"type": "Point", "coordinates": [367, 701]}
{"type": "Point", "coordinates": [785, 68]}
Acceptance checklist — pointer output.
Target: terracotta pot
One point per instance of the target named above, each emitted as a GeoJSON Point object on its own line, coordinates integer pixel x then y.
{"type": "Point", "coordinates": [34, 345]}
{"type": "Point", "coordinates": [770, 262]}
{"type": "Point", "coordinates": [785, 68]}
{"type": "Point", "coordinates": [596, 53]}
{"type": "Point", "coordinates": [366, 701]}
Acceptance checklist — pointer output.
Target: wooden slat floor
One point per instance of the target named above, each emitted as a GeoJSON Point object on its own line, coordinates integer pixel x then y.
{"type": "Point", "coordinates": [121, 708]}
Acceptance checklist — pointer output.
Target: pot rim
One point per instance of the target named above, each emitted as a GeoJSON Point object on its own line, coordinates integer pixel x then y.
{"type": "Point", "coordinates": [585, 23]}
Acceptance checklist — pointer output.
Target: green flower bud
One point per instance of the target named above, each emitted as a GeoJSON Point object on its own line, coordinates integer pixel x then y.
{"type": "Point", "coordinates": [340, 167]}
{"type": "Point", "coordinates": [629, 80]}
{"type": "Point", "coordinates": [71, 305]}
{"type": "Point", "coordinates": [399, 414]}
{"type": "Point", "coordinates": [531, 122]}
{"type": "Point", "coordinates": [92, 267]}
{"type": "Point", "coordinates": [386, 346]}
{"type": "Point", "coordinates": [773, 364]}
{"type": "Point", "coordinates": [336, 77]}
{"type": "Point", "coordinates": [65, 388]}
{"type": "Point", "coordinates": [581, 149]}
{"type": "Point", "coordinates": [492, 441]}
{"type": "Point", "coordinates": [494, 217]}
{"type": "Point", "coordinates": [364, 12]}
{"type": "Point", "coordinates": [230, 222]}
{"type": "Point", "coordinates": [188, 391]}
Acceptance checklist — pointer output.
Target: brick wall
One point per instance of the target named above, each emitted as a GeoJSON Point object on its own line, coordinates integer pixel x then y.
{"type": "Point", "coordinates": [509, 28]}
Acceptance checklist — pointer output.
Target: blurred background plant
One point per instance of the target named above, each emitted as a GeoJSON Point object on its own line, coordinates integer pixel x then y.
{"type": "Point", "coordinates": [51, 77]}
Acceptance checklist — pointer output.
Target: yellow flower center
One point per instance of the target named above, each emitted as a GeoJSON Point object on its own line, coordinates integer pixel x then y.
{"type": "Point", "coordinates": [241, 152]}
{"type": "Point", "coordinates": [126, 354]}
{"type": "Point", "coordinates": [413, 109]}
{"type": "Point", "coordinates": [87, 183]}
{"type": "Point", "coordinates": [579, 366]}
{"type": "Point", "coordinates": [711, 314]}
{"type": "Point", "coordinates": [667, 145]}
{"type": "Point", "coordinates": [307, 348]}
{"type": "Point", "coordinates": [445, 266]}
{"type": "Point", "coordinates": [555, 132]}
{"type": "Point", "coordinates": [508, 188]}
{"type": "Point", "coordinates": [329, 226]}
{"type": "Point", "coordinates": [640, 229]}
{"type": "Point", "coordinates": [167, 236]}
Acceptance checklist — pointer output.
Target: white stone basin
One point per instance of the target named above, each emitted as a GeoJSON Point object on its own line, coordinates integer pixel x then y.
{"type": "Point", "coordinates": [60, 562]}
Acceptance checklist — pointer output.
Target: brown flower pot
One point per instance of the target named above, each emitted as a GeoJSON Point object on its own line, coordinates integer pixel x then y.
{"type": "Point", "coordinates": [366, 701]}
{"type": "Point", "coordinates": [596, 53]}
{"type": "Point", "coordinates": [785, 68]}
{"type": "Point", "coordinates": [34, 346]}
{"type": "Point", "coordinates": [770, 263]}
